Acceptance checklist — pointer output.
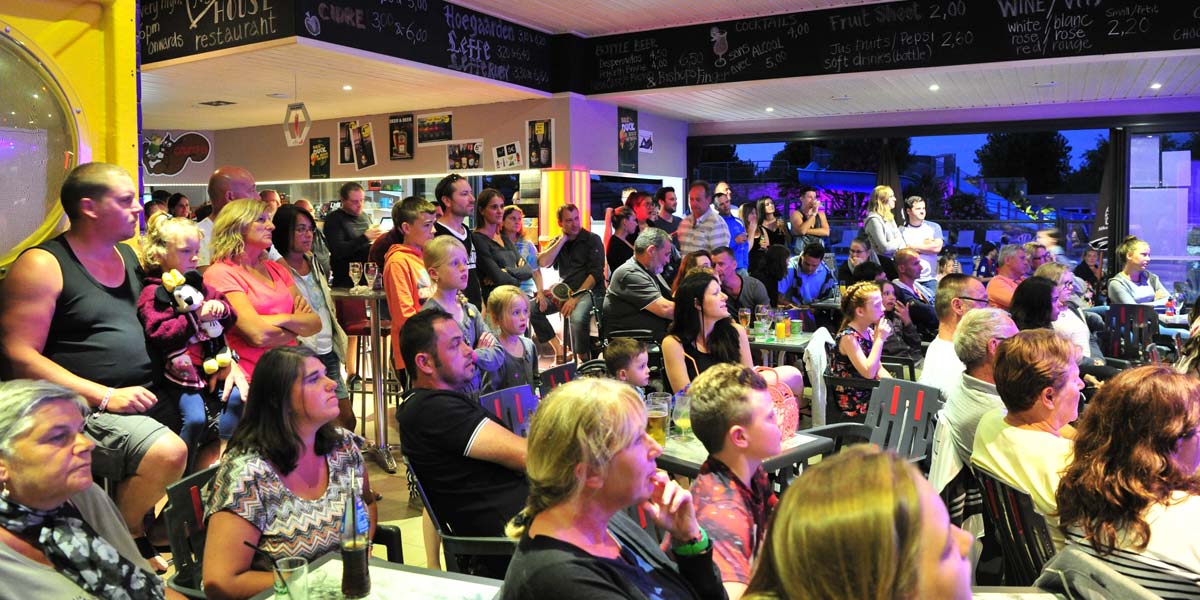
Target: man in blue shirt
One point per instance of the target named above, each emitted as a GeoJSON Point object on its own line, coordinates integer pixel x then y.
{"type": "Point", "coordinates": [810, 279]}
{"type": "Point", "coordinates": [738, 240]}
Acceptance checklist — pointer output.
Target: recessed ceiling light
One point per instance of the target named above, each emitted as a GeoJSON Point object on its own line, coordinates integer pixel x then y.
{"type": "Point", "coordinates": [347, 87]}
{"type": "Point", "coordinates": [1044, 84]}
{"type": "Point", "coordinates": [1155, 86]}
{"type": "Point", "coordinates": [933, 87]}
{"type": "Point", "coordinates": [278, 96]}
{"type": "Point", "coordinates": [770, 109]}
{"type": "Point", "coordinates": [35, 96]}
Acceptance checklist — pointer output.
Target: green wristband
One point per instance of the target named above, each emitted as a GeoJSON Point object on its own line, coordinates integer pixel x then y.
{"type": "Point", "coordinates": [695, 548]}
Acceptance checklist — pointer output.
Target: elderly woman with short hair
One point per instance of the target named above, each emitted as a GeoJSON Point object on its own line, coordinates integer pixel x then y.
{"type": "Point", "coordinates": [60, 535]}
{"type": "Point", "coordinates": [1028, 446]}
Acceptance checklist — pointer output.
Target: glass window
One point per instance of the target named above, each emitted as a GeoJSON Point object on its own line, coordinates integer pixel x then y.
{"type": "Point", "coordinates": [1164, 206]}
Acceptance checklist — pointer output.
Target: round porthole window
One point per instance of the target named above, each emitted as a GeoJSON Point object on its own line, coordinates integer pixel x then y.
{"type": "Point", "coordinates": [39, 144]}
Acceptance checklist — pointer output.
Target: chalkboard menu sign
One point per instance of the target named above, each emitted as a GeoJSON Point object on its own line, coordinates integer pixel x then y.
{"type": "Point", "coordinates": [435, 33]}
{"type": "Point", "coordinates": [877, 37]}
{"type": "Point", "coordinates": [174, 28]}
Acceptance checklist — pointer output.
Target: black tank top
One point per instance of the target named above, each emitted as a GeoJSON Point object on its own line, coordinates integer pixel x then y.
{"type": "Point", "coordinates": [694, 360]}
{"type": "Point", "coordinates": [95, 332]}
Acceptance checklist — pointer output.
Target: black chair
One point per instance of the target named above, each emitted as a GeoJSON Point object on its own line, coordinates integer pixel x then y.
{"type": "Point", "coordinates": [557, 375]}
{"type": "Point", "coordinates": [594, 368]}
{"type": "Point", "coordinates": [514, 407]}
{"type": "Point", "coordinates": [457, 547]}
{"type": "Point", "coordinates": [1133, 335]}
{"type": "Point", "coordinates": [900, 365]}
{"type": "Point", "coordinates": [186, 531]}
{"type": "Point", "coordinates": [900, 416]}
{"type": "Point", "coordinates": [1022, 533]}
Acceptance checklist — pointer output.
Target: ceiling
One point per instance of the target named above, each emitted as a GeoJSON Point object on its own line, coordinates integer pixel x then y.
{"type": "Point", "coordinates": [171, 92]}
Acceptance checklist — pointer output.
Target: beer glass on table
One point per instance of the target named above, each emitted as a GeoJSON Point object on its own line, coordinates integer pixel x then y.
{"type": "Point", "coordinates": [658, 407]}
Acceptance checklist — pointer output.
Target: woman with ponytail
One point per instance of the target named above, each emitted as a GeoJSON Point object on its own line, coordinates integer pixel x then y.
{"type": "Point", "coordinates": [589, 460]}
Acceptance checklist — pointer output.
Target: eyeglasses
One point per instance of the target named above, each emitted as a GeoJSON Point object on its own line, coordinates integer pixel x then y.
{"type": "Point", "coordinates": [305, 229]}
{"type": "Point", "coordinates": [972, 298]}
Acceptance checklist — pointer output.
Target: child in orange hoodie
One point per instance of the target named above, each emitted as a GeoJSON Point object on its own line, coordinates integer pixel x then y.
{"type": "Point", "coordinates": [405, 280]}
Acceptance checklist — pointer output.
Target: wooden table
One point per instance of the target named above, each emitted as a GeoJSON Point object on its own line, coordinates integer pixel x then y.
{"type": "Point", "coordinates": [391, 580]}
{"type": "Point", "coordinates": [378, 447]}
{"type": "Point", "coordinates": [683, 457]}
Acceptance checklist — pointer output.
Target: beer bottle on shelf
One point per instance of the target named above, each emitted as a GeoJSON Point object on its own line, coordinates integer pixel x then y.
{"type": "Point", "coordinates": [356, 574]}
{"type": "Point", "coordinates": [535, 159]}
{"type": "Point", "coordinates": [545, 148]}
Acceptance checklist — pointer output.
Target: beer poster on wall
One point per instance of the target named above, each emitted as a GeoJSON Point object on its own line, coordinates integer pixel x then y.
{"type": "Point", "coordinates": [345, 143]}
{"type": "Point", "coordinates": [627, 140]}
{"type": "Point", "coordinates": [318, 158]}
{"type": "Point", "coordinates": [508, 156]}
{"type": "Point", "coordinates": [364, 146]}
{"type": "Point", "coordinates": [464, 155]}
{"type": "Point", "coordinates": [541, 143]}
{"type": "Point", "coordinates": [400, 136]}
{"type": "Point", "coordinates": [435, 129]}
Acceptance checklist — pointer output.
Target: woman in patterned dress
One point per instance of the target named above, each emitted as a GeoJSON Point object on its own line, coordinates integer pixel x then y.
{"type": "Point", "coordinates": [857, 349]}
{"type": "Point", "coordinates": [283, 481]}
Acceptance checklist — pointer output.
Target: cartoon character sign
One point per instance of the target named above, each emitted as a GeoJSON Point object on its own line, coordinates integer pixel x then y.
{"type": "Point", "coordinates": [163, 154]}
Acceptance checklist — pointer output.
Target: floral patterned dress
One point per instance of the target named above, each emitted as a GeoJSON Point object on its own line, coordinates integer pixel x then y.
{"type": "Point", "coordinates": [851, 401]}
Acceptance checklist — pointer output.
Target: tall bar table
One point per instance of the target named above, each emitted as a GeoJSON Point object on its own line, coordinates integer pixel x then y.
{"type": "Point", "coordinates": [379, 448]}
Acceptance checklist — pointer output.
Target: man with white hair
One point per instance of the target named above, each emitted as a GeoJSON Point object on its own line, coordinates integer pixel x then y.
{"type": "Point", "coordinates": [979, 334]}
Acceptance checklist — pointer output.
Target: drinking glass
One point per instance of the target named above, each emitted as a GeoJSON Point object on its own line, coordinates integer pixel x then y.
{"type": "Point", "coordinates": [355, 274]}
{"type": "Point", "coordinates": [681, 416]}
{"type": "Point", "coordinates": [371, 271]}
{"type": "Point", "coordinates": [744, 317]}
{"type": "Point", "coordinates": [291, 578]}
{"type": "Point", "coordinates": [658, 407]}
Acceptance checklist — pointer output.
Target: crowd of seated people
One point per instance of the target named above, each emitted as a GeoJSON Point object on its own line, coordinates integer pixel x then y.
{"type": "Point", "coordinates": [461, 303]}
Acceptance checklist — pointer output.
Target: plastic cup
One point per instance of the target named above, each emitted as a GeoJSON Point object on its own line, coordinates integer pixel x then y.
{"type": "Point", "coordinates": [681, 416]}
{"type": "Point", "coordinates": [291, 578]}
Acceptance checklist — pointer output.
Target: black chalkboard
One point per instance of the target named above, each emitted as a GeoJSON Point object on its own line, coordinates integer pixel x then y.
{"type": "Point", "coordinates": [174, 28]}
{"type": "Point", "coordinates": [435, 33]}
{"type": "Point", "coordinates": [877, 37]}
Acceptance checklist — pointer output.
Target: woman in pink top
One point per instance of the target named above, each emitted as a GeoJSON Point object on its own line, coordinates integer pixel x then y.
{"type": "Point", "coordinates": [271, 311]}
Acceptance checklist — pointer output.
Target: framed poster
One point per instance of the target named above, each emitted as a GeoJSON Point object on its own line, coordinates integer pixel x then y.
{"type": "Point", "coordinates": [508, 156]}
{"type": "Point", "coordinates": [435, 129]}
{"type": "Point", "coordinates": [464, 155]}
{"type": "Point", "coordinates": [400, 137]}
{"type": "Point", "coordinates": [645, 141]}
{"type": "Point", "coordinates": [345, 143]}
{"type": "Point", "coordinates": [627, 140]}
{"type": "Point", "coordinates": [364, 146]}
{"type": "Point", "coordinates": [541, 143]}
{"type": "Point", "coordinates": [318, 158]}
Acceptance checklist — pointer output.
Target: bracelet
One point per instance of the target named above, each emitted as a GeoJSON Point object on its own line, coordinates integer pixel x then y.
{"type": "Point", "coordinates": [694, 547]}
{"type": "Point", "coordinates": [104, 403]}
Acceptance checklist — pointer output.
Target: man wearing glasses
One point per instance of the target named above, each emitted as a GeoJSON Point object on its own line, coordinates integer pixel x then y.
{"type": "Point", "coordinates": [957, 294]}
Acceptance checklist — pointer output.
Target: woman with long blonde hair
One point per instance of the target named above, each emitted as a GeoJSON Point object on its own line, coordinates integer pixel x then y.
{"type": "Point", "coordinates": [862, 524]}
{"type": "Point", "coordinates": [880, 225]}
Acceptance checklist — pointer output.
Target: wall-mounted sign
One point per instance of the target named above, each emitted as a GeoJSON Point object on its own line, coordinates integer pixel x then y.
{"type": "Point", "coordinates": [508, 156]}
{"type": "Point", "coordinates": [435, 128]}
{"type": "Point", "coordinates": [645, 141]}
{"type": "Point", "coordinates": [541, 143]}
{"type": "Point", "coordinates": [296, 124]}
{"type": "Point", "coordinates": [318, 158]}
{"type": "Point", "coordinates": [175, 28]}
{"type": "Point", "coordinates": [364, 146]}
{"type": "Point", "coordinates": [627, 140]}
{"type": "Point", "coordinates": [345, 142]}
{"type": "Point", "coordinates": [163, 154]}
{"type": "Point", "coordinates": [400, 137]}
{"type": "Point", "coordinates": [464, 155]}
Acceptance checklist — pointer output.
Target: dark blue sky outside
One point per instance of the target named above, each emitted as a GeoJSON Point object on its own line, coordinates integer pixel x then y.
{"type": "Point", "coordinates": [964, 146]}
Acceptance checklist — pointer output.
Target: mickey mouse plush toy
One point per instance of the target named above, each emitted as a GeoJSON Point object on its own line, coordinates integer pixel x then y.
{"type": "Point", "coordinates": [176, 327]}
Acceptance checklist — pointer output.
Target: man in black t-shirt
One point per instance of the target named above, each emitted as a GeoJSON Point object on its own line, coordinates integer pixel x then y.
{"type": "Point", "coordinates": [470, 466]}
{"type": "Point", "coordinates": [578, 254]}
{"type": "Point", "coordinates": [638, 297]}
{"type": "Point", "coordinates": [349, 233]}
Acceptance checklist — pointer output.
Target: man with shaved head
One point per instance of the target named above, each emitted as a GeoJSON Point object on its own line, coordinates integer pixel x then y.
{"type": "Point", "coordinates": [225, 185]}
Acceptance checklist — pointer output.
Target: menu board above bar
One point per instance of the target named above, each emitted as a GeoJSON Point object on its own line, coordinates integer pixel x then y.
{"type": "Point", "coordinates": [175, 28]}
{"type": "Point", "coordinates": [435, 33]}
{"type": "Point", "coordinates": [878, 37]}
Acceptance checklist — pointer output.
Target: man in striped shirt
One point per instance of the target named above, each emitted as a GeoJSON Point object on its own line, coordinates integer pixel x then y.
{"type": "Point", "coordinates": [704, 229]}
